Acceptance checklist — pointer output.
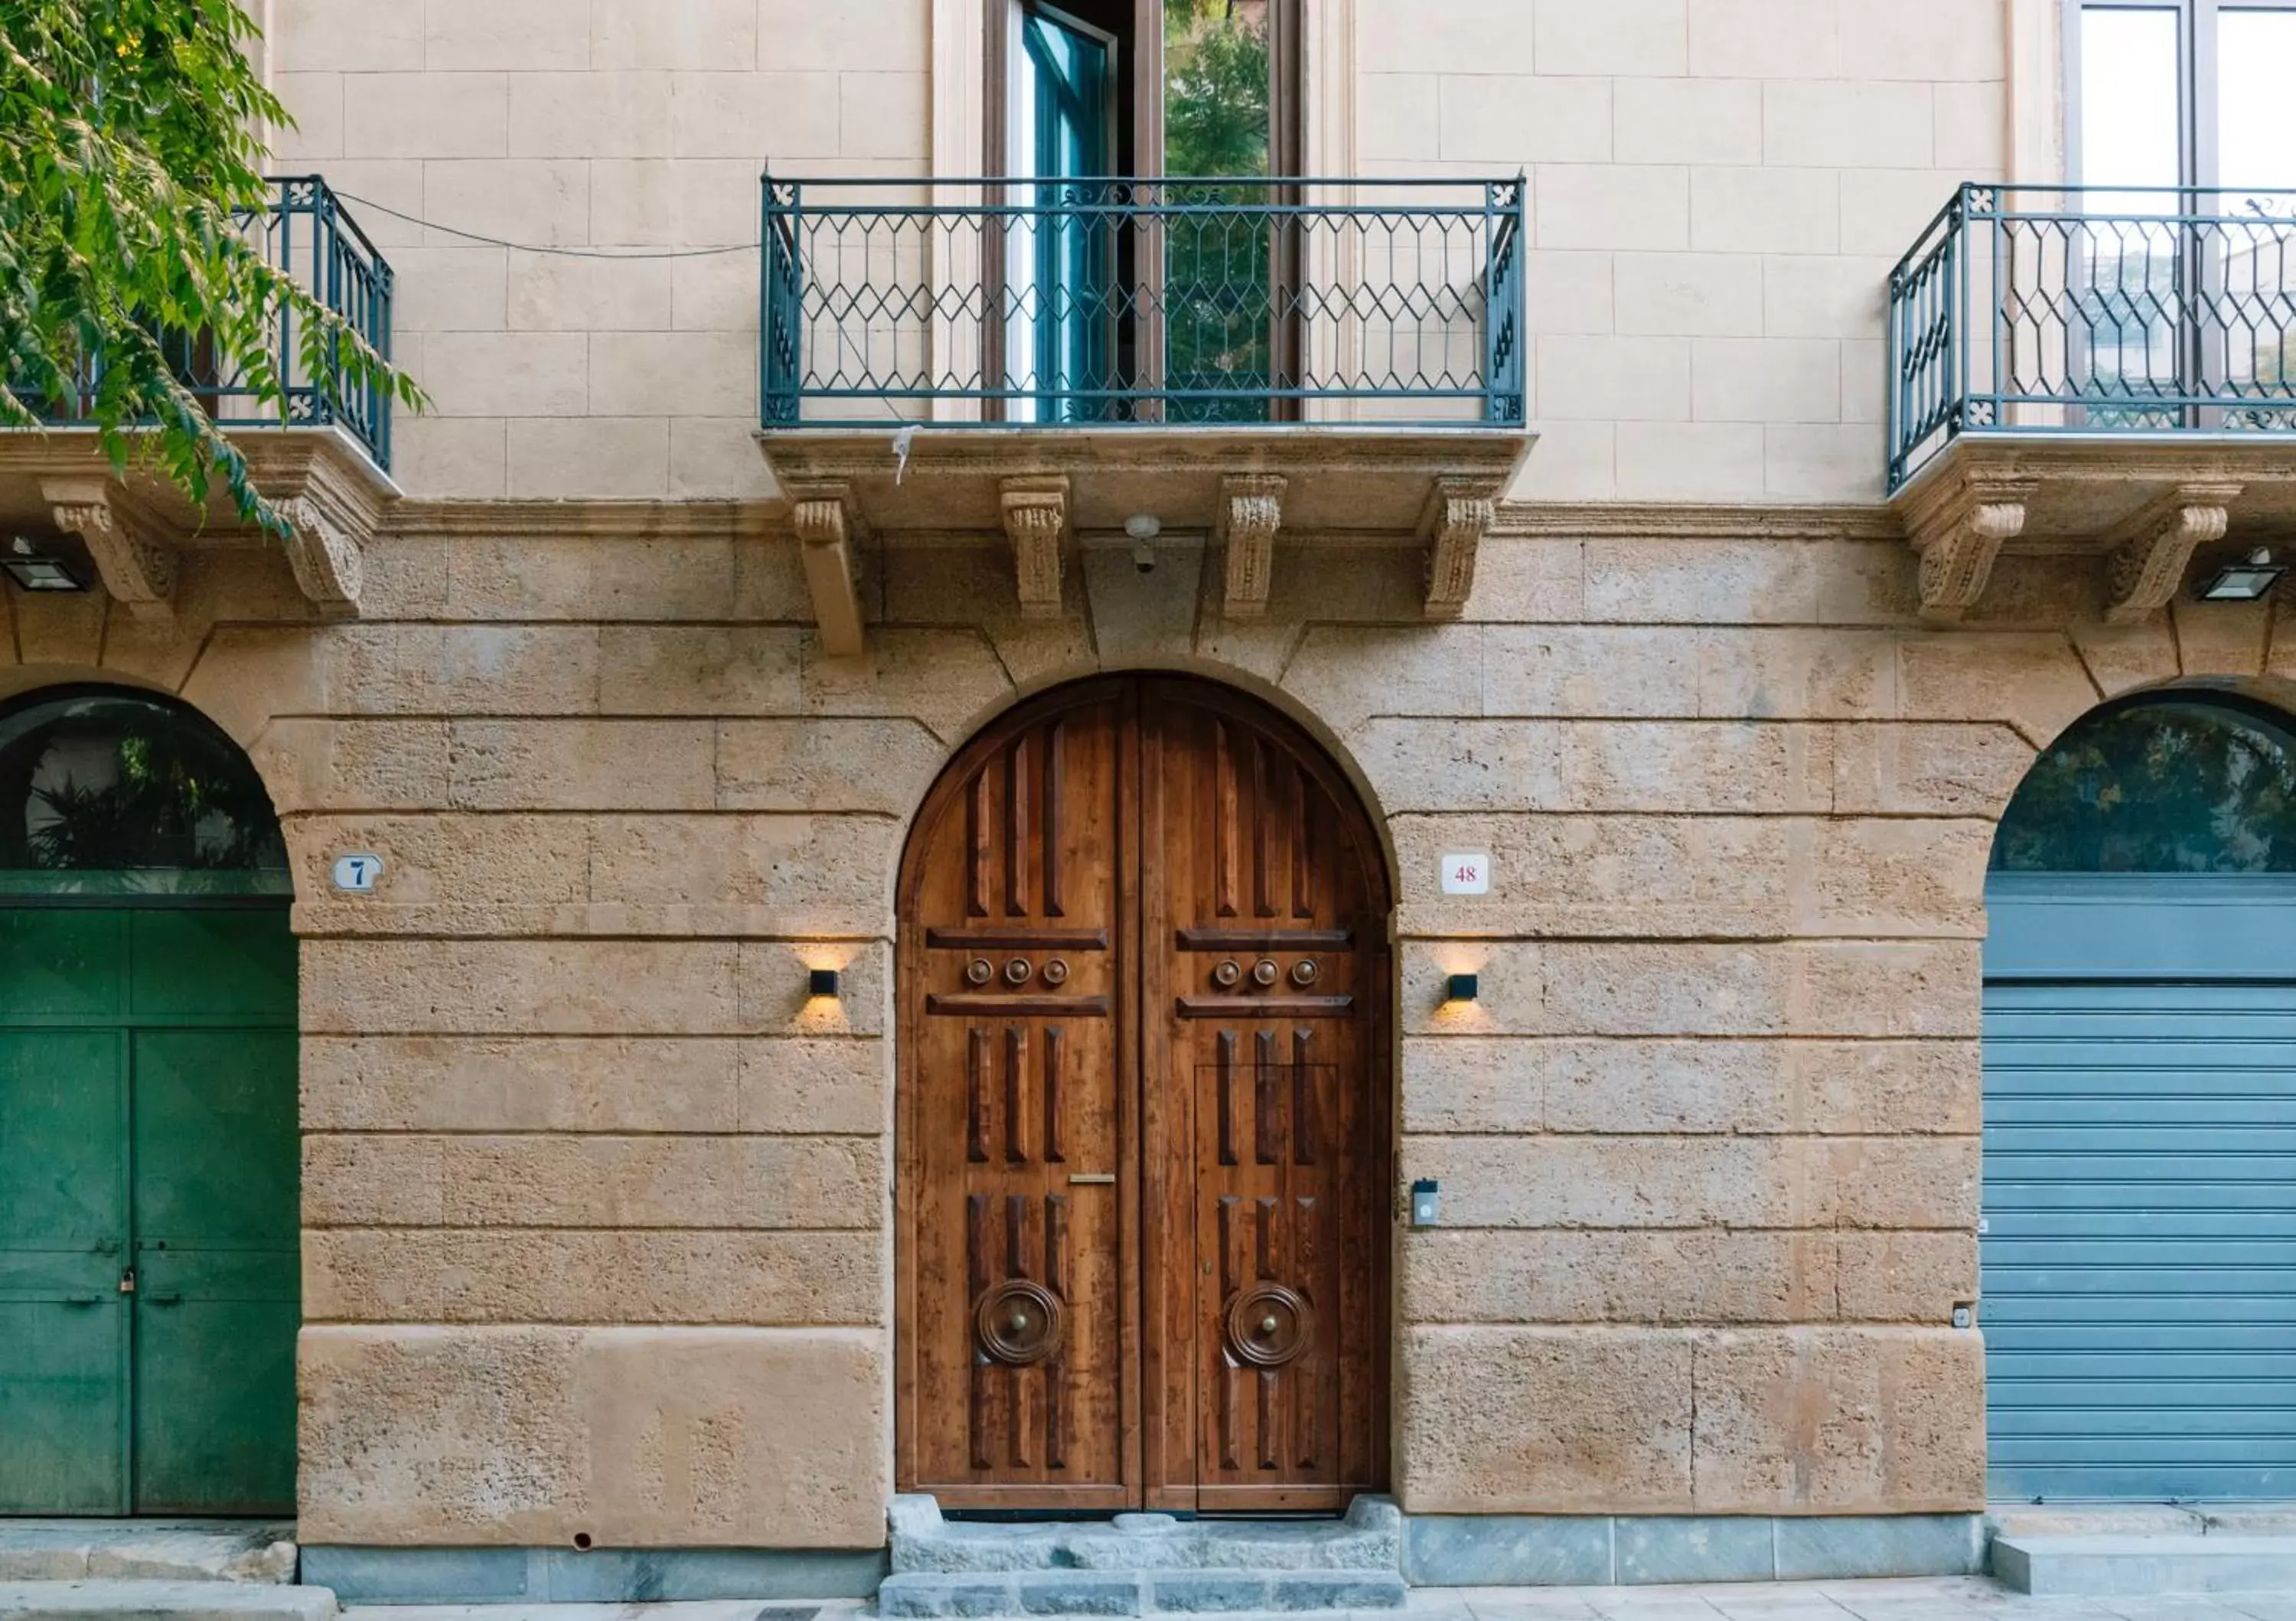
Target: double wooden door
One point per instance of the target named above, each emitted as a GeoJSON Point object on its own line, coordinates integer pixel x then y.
{"type": "Point", "coordinates": [1145, 1124]}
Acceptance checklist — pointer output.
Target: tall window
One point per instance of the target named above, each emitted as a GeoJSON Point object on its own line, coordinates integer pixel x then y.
{"type": "Point", "coordinates": [2183, 93]}
{"type": "Point", "coordinates": [2182, 138]}
{"type": "Point", "coordinates": [1120, 280]}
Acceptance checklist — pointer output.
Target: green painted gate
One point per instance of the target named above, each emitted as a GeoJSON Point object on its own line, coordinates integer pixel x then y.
{"type": "Point", "coordinates": [149, 1228]}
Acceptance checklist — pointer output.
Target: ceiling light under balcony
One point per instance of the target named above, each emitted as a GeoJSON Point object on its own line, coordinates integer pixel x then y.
{"type": "Point", "coordinates": [2250, 580]}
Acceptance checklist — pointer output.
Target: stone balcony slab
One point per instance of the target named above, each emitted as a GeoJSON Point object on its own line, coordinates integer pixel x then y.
{"type": "Point", "coordinates": [2147, 512]}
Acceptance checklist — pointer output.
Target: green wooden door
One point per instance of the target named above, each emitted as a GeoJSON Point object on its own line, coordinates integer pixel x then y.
{"type": "Point", "coordinates": [149, 1289]}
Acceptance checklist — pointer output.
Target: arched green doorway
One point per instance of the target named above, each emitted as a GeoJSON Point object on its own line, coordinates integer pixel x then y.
{"type": "Point", "coordinates": [149, 1159]}
{"type": "Point", "coordinates": [2140, 1109]}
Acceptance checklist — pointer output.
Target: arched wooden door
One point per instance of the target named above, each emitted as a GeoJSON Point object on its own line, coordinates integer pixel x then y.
{"type": "Point", "coordinates": [1145, 1124]}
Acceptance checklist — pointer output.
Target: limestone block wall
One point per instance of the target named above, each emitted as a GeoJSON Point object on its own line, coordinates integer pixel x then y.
{"type": "Point", "coordinates": [1718, 190]}
{"type": "Point", "coordinates": [619, 126]}
{"type": "Point", "coordinates": [596, 1203]}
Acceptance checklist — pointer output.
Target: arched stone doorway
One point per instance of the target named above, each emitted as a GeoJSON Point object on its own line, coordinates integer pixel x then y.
{"type": "Point", "coordinates": [2140, 1109]}
{"type": "Point", "coordinates": [1145, 1138]}
{"type": "Point", "coordinates": [149, 1229]}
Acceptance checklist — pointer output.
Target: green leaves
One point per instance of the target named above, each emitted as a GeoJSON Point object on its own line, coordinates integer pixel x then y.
{"type": "Point", "coordinates": [132, 215]}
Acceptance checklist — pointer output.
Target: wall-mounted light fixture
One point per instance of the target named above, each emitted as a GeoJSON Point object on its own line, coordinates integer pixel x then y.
{"type": "Point", "coordinates": [821, 982]}
{"type": "Point", "coordinates": [2249, 580]}
{"type": "Point", "coordinates": [1461, 987]}
{"type": "Point", "coordinates": [34, 569]}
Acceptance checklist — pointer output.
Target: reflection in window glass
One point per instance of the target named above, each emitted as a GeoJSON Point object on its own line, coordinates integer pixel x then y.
{"type": "Point", "coordinates": [2128, 104]}
{"type": "Point", "coordinates": [108, 793]}
{"type": "Point", "coordinates": [1219, 302]}
{"type": "Point", "coordinates": [2160, 785]}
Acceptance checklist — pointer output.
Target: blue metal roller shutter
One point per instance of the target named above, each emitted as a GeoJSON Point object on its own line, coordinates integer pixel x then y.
{"type": "Point", "coordinates": [2139, 1249]}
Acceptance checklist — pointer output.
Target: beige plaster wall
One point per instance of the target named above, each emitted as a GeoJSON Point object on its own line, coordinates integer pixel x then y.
{"type": "Point", "coordinates": [628, 127]}
{"type": "Point", "coordinates": [596, 1204]}
{"type": "Point", "coordinates": [1718, 189]}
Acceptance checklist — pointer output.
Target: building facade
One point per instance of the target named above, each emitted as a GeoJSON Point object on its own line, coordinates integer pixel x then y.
{"type": "Point", "coordinates": [777, 900]}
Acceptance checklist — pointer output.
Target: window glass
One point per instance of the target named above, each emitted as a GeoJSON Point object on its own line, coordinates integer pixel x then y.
{"type": "Point", "coordinates": [109, 793]}
{"type": "Point", "coordinates": [2169, 785]}
{"type": "Point", "coordinates": [1219, 297]}
{"type": "Point", "coordinates": [1216, 88]}
{"type": "Point", "coordinates": [2129, 128]}
{"type": "Point", "coordinates": [2255, 76]}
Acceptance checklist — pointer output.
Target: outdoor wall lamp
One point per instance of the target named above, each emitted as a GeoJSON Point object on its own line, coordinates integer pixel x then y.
{"type": "Point", "coordinates": [2250, 580]}
{"type": "Point", "coordinates": [36, 570]}
{"type": "Point", "coordinates": [821, 982]}
{"type": "Point", "coordinates": [1461, 987]}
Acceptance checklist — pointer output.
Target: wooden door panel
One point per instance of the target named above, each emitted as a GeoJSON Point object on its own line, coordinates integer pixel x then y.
{"type": "Point", "coordinates": [1266, 945]}
{"type": "Point", "coordinates": [1144, 1115]}
{"type": "Point", "coordinates": [1014, 1281]}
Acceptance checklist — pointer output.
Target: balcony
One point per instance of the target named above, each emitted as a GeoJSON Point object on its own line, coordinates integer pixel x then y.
{"type": "Point", "coordinates": [2094, 372]}
{"type": "Point", "coordinates": [323, 459]}
{"type": "Point", "coordinates": [1039, 362]}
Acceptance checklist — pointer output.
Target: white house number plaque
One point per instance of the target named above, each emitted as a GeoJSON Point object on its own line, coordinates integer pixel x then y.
{"type": "Point", "coordinates": [1467, 872]}
{"type": "Point", "coordinates": [356, 875]}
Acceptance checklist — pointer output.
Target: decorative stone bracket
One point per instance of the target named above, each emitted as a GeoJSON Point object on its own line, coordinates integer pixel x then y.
{"type": "Point", "coordinates": [2146, 558]}
{"type": "Point", "coordinates": [1251, 511]}
{"type": "Point", "coordinates": [1452, 527]}
{"type": "Point", "coordinates": [1036, 511]}
{"type": "Point", "coordinates": [1958, 528]}
{"type": "Point", "coordinates": [133, 552]}
{"type": "Point", "coordinates": [822, 514]}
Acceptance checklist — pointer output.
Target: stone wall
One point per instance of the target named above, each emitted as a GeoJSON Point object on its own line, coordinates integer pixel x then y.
{"type": "Point", "coordinates": [596, 1204]}
{"type": "Point", "coordinates": [1718, 189]}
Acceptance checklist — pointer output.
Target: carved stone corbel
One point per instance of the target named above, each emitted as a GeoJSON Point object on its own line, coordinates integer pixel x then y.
{"type": "Point", "coordinates": [329, 566]}
{"type": "Point", "coordinates": [137, 567]}
{"type": "Point", "coordinates": [822, 515]}
{"type": "Point", "coordinates": [1958, 529]}
{"type": "Point", "coordinates": [2147, 556]}
{"type": "Point", "coordinates": [1451, 527]}
{"type": "Point", "coordinates": [1036, 522]}
{"type": "Point", "coordinates": [1251, 511]}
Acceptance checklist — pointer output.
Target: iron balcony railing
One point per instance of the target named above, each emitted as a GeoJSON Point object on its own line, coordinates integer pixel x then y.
{"type": "Point", "coordinates": [1139, 302]}
{"type": "Point", "coordinates": [2093, 310]}
{"type": "Point", "coordinates": [306, 233]}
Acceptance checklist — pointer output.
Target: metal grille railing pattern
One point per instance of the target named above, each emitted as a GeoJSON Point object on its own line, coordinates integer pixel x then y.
{"type": "Point", "coordinates": [307, 234]}
{"type": "Point", "coordinates": [1117, 302]}
{"type": "Point", "coordinates": [2093, 311]}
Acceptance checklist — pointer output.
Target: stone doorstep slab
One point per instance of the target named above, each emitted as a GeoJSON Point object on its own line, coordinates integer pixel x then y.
{"type": "Point", "coordinates": [193, 1601]}
{"type": "Point", "coordinates": [1369, 1538]}
{"type": "Point", "coordinates": [147, 1550]}
{"type": "Point", "coordinates": [975, 1594]}
{"type": "Point", "coordinates": [2128, 1566]}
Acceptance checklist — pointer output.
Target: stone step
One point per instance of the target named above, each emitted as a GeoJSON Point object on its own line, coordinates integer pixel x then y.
{"type": "Point", "coordinates": [1369, 1539]}
{"type": "Point", "coordinates": [147, 1550]}
{"type": "Point", "coordinates": [193, 1601]}
{"type": "Point", "coordinates": [2131, 1564]}
{"type": "Point", "coordinates": [1136, 1592]}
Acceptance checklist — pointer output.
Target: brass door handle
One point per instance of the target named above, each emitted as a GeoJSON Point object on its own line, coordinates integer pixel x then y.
{"type": "Point", "coordinates": [1092, 1176]}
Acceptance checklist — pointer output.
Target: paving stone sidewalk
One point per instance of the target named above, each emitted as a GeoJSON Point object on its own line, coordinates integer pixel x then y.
{"type": "Point", "coordinates": [1945, 1599]}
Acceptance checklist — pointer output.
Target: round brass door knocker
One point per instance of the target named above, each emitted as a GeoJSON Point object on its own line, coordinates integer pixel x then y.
{"type": "Point", "coordinates": [1018, 1322]}
{"type": "Point", "coordinates": [1269, 1325]}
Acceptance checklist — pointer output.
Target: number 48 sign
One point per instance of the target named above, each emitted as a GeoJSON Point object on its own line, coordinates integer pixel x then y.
{"type": "Point", "coordinates": [1467, 872]}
